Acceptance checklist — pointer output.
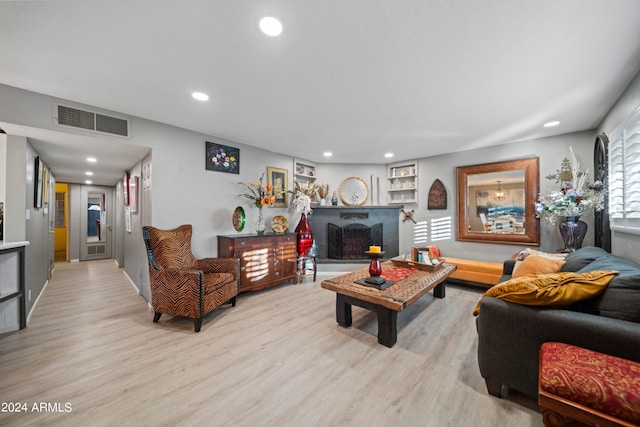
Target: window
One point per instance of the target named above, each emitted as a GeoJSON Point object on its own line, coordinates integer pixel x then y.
{"type": "Point", "coordinates": [60, 210]}
{"type": "Point", "coordinates": [624, 176]}
{"type": "Point", "coordinates": [440, 230]}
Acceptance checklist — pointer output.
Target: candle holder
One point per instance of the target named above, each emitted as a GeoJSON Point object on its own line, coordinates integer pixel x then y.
{"type": "Point", "coordinates": [375, 269]}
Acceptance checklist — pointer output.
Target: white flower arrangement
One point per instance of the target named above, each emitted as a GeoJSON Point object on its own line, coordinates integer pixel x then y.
{"type": "Point", "coordinates": [301, 200]}
{"type": "Point", "coordinates": [575, 196]}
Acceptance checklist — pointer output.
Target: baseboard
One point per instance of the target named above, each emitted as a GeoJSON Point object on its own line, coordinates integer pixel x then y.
{"type": "Point", "coordinates": [35, 303]}
{"type": "Point", "coordinates": [132, 283]}
{"type": "Point", "coordinates": [338, 269]}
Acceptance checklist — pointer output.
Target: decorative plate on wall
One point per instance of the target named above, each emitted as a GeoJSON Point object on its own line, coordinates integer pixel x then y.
{"type": "Point", "coordinates": [279, 224]}
{"type": "Point", "coordinates": [437, 196]}
{"type": "Point", "coordinates": [353, 191]}
{"type": "Point", "coordinates": [238, 218]}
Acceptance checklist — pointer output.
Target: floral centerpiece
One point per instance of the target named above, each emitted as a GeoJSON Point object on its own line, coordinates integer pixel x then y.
{"type": "Point", "coordinates": [575, 197]}
{"type": "Point", "coordinates": [260, 195]}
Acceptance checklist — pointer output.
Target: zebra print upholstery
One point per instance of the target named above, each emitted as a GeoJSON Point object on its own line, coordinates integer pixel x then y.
{"type": "Point", "coordinates": [182, 285]}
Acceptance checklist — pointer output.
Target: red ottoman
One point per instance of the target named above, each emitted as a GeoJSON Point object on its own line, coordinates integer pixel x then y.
{"type": "Point", "coordinates": [582, 387]}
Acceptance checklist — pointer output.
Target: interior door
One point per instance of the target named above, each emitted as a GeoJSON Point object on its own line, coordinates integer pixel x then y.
{"type": "Point", "coordinates": [601, 173]}
{"type": "Point", "coordinates": [51, 226]}
{"type": "Point", "coordinates": [96, 217]}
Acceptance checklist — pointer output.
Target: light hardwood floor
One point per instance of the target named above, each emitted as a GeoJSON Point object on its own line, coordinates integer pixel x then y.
{"type": "Point", "coordinates": [276, 359]}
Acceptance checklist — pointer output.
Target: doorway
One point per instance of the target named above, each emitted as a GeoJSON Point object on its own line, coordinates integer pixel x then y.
{"type": "Point", "coordinates": [96, 237]}
{"type": "Point", "coordinates": [61, 230]}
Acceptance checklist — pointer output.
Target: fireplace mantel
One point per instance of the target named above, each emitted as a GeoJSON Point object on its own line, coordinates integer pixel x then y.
{"type": "Point", "coordinates": [345, 215]}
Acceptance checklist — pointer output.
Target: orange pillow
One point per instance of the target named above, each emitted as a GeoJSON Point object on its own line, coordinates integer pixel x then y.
{"type": "Point", "coordinates": [533, 264]}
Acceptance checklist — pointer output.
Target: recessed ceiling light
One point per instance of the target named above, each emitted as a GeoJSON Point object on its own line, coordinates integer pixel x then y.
{"type": "Point", "coordinates": [388, 155]}
{"type": "Point", "coordinates": [551, 124]}
{"type": "Point", "coordinates": [327, 154]}
{"type": "Point", "coordinates": [270, 26]}
{"type": "Point", "coordinates": [91, 159]}
{"type": "Point", "coordinates": [200, 96]}
{"type": "Point", "coordinates": [89, 173]}
{"type": "Point", "coordinates": [88, 182]}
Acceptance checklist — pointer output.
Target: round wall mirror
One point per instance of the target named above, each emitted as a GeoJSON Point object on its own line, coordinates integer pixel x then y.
{"type": "Point", "coordinates": [354, 191]}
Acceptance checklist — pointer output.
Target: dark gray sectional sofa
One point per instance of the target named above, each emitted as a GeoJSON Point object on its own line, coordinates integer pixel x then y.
{"type": "Point", "coordinates": [510, 335]}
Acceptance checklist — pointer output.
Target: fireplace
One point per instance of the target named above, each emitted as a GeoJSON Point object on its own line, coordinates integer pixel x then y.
{"type": "Point", "coordinates": [382, 222]}
{"type": "Point", "coordinates": [351, 241]}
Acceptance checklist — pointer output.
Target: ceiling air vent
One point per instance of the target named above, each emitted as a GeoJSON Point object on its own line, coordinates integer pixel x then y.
{"type": "Point", "coordinates": [88, 120]}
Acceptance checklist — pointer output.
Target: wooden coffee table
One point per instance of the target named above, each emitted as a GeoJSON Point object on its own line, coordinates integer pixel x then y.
{"type": "Point", "coordinates": [388, 302]}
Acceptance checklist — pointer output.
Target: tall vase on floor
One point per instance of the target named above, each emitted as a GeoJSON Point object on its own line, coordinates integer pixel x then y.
{"type": "Point", "coordinates": [305, 237]}
{"type": "Point", "coordinates": [572, 231]}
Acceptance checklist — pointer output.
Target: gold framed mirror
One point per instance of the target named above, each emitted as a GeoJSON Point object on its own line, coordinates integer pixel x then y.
{"type": "Point", "coordinates": [353, 191]}
{"type": "Point", "coordinates": [496, 202]}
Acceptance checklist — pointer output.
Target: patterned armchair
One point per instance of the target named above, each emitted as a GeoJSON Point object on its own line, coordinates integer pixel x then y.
{"type": "Point", "coordinates": [182, 285]}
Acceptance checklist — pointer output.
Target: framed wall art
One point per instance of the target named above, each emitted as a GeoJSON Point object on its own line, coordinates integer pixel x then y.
{"type": "Point", "coordinates": [38, 182]}
{"type": "Point", "coordinates": [222, 158]}
{"type": "Point", "coordinates": [133, 194]}
{"type": "Point", "coordinates": [437, 196]}
{"type": "Point", "coordinates": [279, 179]}
{"type": "Point", "coordinates": [125, 188]}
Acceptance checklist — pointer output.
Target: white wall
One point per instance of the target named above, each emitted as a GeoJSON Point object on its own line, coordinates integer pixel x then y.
{"type": "Point", "coordinates": [185, 192]}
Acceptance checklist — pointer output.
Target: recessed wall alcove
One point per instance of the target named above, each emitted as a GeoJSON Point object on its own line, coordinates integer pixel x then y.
{"type": "Point", "coordinates": [379, 223]}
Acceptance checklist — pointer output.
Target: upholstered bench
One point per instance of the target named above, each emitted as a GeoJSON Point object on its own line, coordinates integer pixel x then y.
{"type": "Point", "coordinates": [486, 273]}
{"type": "Point", "coordinates": [577, 386]}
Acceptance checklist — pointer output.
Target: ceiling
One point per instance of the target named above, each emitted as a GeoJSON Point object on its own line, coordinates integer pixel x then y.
{"type": "Point", "coordinates": [358, 78]}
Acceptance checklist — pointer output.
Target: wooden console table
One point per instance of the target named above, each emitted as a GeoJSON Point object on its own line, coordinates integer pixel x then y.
{"type": "Point", "coordinates": [265, 260]}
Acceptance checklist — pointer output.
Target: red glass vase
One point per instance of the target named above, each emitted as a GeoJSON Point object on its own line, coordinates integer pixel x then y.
{"type": "Point", "coordinates": [305, 237]}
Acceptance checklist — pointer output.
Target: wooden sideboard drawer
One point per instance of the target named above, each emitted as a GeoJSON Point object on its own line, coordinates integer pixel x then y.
{"type": "Point", "coordinates": [265, 260]}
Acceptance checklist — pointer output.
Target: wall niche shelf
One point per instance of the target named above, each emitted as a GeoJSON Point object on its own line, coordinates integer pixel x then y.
{"type": "Point", "coordinates": [402, 184]}
{"type": "Point", "coordinates": [304, 172]}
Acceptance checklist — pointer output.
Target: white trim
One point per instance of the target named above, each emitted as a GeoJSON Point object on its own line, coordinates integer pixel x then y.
{"type": "Point", "coordinates": [625, 229]}
{"type": "Point", "coordinates": [132, 283]}
{"type": "Point", "coordinates": [35, 303]}
{"type": "Point", "coordinates": [623, 175]}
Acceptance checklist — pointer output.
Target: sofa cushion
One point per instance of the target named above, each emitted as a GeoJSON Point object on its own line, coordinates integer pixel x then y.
{"type": "Point", "coordinates": [599, 381]}
{"type": "Point", "coordinates": [582, 257]}
{"type": "Point", "coordinates": [534, 264]}
{"type": "Point", "coordinates": [557, 289]}
{"type": "Point", "coordinates": [621, 299]}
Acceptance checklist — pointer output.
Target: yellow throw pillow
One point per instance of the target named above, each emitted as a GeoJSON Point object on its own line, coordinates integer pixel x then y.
{"type": "Point", "coordinates": [557, 289]}
{"type": "Point", "coordinates": [537, 265]}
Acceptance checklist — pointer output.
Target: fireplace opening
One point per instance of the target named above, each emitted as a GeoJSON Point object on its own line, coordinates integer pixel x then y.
{"type": "Point", "coordinates": [351, 241]}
